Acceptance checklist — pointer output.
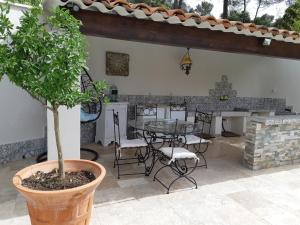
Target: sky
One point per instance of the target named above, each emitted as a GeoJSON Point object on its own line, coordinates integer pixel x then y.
{"type": "Point", "coordinates": [275, 10]}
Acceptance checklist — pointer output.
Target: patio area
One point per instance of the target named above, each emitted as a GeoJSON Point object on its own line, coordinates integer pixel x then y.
{"type": "Point", "coordinates": [228, 193]}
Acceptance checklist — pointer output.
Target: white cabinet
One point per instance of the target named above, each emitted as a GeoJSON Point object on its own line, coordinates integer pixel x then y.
{"type": "Point", "coordinates": [105, 125]}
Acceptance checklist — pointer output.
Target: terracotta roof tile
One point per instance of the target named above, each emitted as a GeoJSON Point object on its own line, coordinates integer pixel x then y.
{"type": "Point", "coordinates": [88, 2]}
{"type": "Point", "coordinates": [210, 19]}
{"type": "Point", "coordinates": [142, 6]}
{"type": "Point", "coordinates": [226, 23]}
{"type": "Point", "coordinates": [274, 31]}
{"type": "Point", "coordinates": [284, 33]}
{"type": "Point", "coordinates": [294, 34]}
{"type": "Point", "coordinates": [251, 27]}
{"type": "Point", "coordinates": [177, 12]}
{"type": "Point", "coordinates": [161, 14]}
{"type": "Point", "coordinates": [262, 29]}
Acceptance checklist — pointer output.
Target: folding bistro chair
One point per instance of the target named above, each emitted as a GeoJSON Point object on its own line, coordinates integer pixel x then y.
{"type": "Point", "coordinates": [176, 159]}
{"type": "Point", "coordinates": [122, 145]}
{"type": "Point", "coordinates": [147, 112]}
{"type": "Point", "coordinates": [200, 144]}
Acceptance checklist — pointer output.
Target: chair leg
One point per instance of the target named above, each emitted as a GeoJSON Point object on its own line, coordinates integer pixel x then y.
{"type": "Point", "coordinates": [192, 180]}
{"type": "Point", "coordinates": [154, 177]}
{"type": "Point", "coordinates": [118, 155]}
{"type": "Point", "coordinates": [201, 154]}
{"type": "Point", "coordinates": [118, 171]}
{"type": "Point", "coordinates": [138, 159]}
{"type": "Point", "coordinates": [168, 189]}
{"type": "Point", "coordinates": [203, 157]}
{"type": "Point", "coordinates": [179, 174]}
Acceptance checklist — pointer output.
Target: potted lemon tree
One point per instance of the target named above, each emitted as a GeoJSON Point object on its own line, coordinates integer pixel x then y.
{"type": "Point", "coordinates": [45, 56]}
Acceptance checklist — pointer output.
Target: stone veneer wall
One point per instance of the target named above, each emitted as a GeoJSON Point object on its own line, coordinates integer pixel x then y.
{"type": "Point", "coordinates": [21, 150]}
{"type": "Point", "coordinates": [87, 133]}
{"type": "Point", "coordinates": [271, 145]}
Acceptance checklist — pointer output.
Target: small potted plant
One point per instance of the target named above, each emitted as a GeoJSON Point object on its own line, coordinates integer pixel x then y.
{"type": "Point", "coordinates": [45, 57]}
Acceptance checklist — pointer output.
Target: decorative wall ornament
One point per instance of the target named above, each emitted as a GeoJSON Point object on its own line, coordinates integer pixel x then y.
{"type": "Point", "coordinates": [117, 64]}
{"type": "Point", "coordinates": [223, 90]}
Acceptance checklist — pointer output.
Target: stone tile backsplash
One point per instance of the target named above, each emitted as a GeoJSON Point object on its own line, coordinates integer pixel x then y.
{"type": "Point", "coordinates": [206, 103]}
{"type": "Point", "coordinates": [23, 149]}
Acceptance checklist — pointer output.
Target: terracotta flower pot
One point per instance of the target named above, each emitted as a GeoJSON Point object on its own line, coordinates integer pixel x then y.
{"type": "Point", "coordinates": [65, 207]}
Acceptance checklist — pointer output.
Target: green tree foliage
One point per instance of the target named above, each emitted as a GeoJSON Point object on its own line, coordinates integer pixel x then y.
{"type": "Point", "coordinates": [239, 16]}
{"type": "Point", "coordinates": [235, 6]}
{"type": "Point", "coordinates": [46, 60]}
{"type": "Point", "coordinates": [265, 20]}
{"type": "Point", "coordinates": [204, 8]}
{"type": "Point", "coordinates": [5, 31]}
{"type": "Point", "coordinates": [291, 18]}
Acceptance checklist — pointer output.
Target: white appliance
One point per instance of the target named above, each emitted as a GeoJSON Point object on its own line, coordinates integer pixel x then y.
{"type": "Point", "coordinates": [105, 125]}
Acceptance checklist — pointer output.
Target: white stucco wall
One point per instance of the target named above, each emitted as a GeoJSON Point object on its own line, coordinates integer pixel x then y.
{"type": "Point", "coordinates": [70, 133]}
{"type": "Point", "coordinates": [22, 118]}
{"type": "Point", "coordinates": [155, 69]}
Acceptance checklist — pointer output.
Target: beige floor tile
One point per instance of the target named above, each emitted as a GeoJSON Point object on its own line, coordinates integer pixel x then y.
{"type": "Point", "coordinates": [132, 182]}
{"type": "Point", "coordinates": [249, 200]}
{"type": "Point", "coordinates": [227, 194]}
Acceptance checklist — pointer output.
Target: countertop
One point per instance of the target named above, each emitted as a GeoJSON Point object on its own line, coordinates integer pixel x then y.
{"type": "Point", "coordinates": [276, 120]}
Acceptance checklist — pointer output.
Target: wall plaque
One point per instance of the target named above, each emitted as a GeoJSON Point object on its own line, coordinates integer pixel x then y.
{"type": "Point", "coordinates": [117, 64]}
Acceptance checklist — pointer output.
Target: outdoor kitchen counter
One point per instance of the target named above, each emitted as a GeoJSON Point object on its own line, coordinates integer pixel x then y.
{"type": "Point", "coordinates": [272, 141]}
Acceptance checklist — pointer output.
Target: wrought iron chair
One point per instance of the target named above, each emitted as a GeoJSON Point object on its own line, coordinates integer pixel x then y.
{"type": "Point", "coordinates": [176, 158]}
{"type": "Point", "coordinates": [178, 111]}
{"type": "Point", "coordinates": [200, 144]}
{"type": "Point", "coordinates": [148, 111]}
{"type": "Point", "coordinates": [206, 118]}
{"type": "Point", "coordinates": [89, 113]}
{"type": "Point", "coordinates": [120, 145]}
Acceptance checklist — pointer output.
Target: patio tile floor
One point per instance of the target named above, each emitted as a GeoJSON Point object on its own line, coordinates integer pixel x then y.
{"type": "Point", "coordinates": [228, 194]}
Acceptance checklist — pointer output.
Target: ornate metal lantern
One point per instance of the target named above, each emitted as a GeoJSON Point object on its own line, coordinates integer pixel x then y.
{"type": "Point", "coordinates": [186, 62]}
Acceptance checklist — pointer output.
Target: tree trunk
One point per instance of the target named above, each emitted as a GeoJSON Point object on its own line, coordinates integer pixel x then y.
{"type": "Point", "coordinates": [175, 4]}
{"type": "Point", "coordinates": [180, 4]}
{"type": "Point", "coordinates": [225, 9]}
{"type": "Point", "coordinates": [245, 9]}
{"type": "Point", "coordinates": [257, 9]}
{"type": "Point", "coordinates": [61, 169]}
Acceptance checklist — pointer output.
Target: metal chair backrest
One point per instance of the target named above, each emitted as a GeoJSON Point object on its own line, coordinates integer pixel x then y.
{"type": "Point", "coordinates": [91, 110]}
{"type": "Point", "coordinates": [146, 111]}
{"type": "Point", "coordinates": [117, 137]}
{"type": "Point", "coordinates": [178, 111]}
{"type": "Point", "coordinates": [204, 120]}
{"type": "Point", "coordinates": [174, 138]}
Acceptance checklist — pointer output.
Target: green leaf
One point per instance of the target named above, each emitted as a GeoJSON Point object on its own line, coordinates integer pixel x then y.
{"type": "Point", "coordinates": [46, 59]}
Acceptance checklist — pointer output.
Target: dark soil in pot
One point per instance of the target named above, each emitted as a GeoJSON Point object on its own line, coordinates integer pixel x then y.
{"type": "Point", "coordinates": [51, 181]}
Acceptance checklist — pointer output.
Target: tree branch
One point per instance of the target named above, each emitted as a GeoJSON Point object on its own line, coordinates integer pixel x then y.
{"type": "Point", "coordinates": [44, 103]}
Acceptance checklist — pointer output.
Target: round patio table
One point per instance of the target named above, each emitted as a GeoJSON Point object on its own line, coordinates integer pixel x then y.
{"type": "Point", "coordinates": [153, 130]}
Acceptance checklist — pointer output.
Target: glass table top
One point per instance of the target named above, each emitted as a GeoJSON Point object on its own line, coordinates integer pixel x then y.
{"type": "Point", "coordinates": [165, 126]}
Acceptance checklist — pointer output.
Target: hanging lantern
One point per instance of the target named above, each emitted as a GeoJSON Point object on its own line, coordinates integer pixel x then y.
{"type": "Point", "coordinates": [186, 62]}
